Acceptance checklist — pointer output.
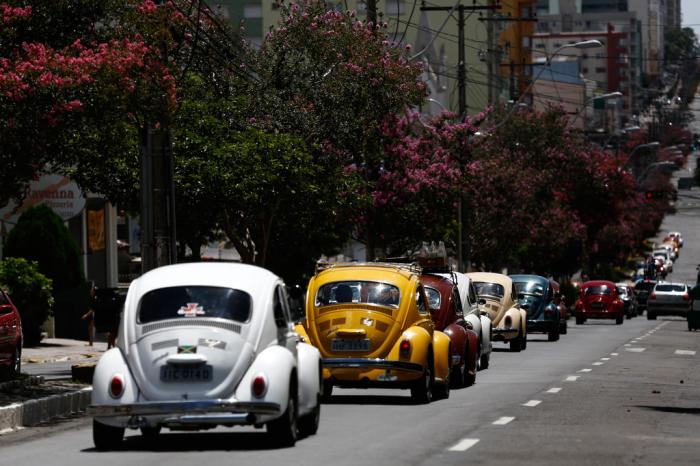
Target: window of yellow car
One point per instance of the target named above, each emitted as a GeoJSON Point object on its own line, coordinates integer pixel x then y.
{"type": "Point", "coordinates": [366, 292]}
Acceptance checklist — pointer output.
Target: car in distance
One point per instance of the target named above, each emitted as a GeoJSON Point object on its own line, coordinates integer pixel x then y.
{"type": "Point", "coordinates": [678, 236]}
{"type": "Point", "coordinates": [10, 337]}
{"type": "Point", "coordinates": [669, 299]}
{"type": "Point", "coordinates": [501, 303]}
{"type": "Point", "coordinates": [473, 314]}
{"type": "Point", "coordinates": [628, 298]}
{"type": "Point", "coordinates": [446, 310]}
{"type": "Point", "coordinates": [560, 301]}
{"type": "Point", "coordinates": [372, 324]}
{"type": "Point", "coordinates": [598, 299]}
{"type": "Point", "coordinates": [536, 296]}
{"type": "Point", "coordinates": [642, 289]}
{"type": "Point", "coordinates": [206, 344]}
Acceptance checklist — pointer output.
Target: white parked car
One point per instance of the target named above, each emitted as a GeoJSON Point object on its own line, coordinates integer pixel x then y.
{"type": "Point", "coordinates": [666, 256]}
{"type": "Point", "coordinates": [206, 344]}
{"type": "Point", "coordinates": [480, 321]}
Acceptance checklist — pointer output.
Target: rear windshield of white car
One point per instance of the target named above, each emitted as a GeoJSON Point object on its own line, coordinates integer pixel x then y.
{"type": "Point", "coordinates": [669, 287]}
{"type": "Point", "coordinates": [489, 289]}
{"type": "Point", "coordinates": [366, 292]}
{"type": "Point", "coordinates": [601, 289]}
{"type": "Point", "coordinates": [191, 302]}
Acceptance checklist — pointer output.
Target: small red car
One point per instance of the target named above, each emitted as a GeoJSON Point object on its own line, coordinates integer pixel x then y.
{"type": "Point", "coordinates": [447, 314]}
{"type": "Point", "coordinates": [10, 336]}
{"type": "Point", "coordinates": [598, 299]}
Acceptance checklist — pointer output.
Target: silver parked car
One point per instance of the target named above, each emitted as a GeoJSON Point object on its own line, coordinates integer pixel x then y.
{"type": "Point", "coordinates": [668, 298]}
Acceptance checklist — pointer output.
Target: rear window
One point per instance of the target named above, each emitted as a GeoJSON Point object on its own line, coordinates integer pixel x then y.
{"type": "Point", "coordinates": [531, 288]}
{"type": "Point", "coordinates": [182, 302]}
{"type": "Point", "coordinates": [366, 292]}
{"type": "Point", "coordinates": [600, 289]}
{"type": "Point", "coordinates": [644, 286]}
{"type": "Point", "coordinates": [489, 289]}
{"type": "Point", "coordinates": [669, 287]}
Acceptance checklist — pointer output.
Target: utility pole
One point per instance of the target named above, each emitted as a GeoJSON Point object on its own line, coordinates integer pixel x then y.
{"type": "Point", "coordinates": [462, 251]}
{"type": "Point", "coordinates": [372, 11]}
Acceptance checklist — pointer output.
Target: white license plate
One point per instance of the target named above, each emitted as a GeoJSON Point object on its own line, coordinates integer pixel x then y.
{"type": "Point", "coordinates": [339, 344]}
{"type": "Point", "coordinates": [169, 373]}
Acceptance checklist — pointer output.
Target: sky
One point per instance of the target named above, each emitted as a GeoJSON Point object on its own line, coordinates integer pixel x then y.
{"type": "Point", "coordinates": [690, 11]}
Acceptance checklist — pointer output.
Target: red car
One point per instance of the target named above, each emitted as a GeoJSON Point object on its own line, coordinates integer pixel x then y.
{"type": "Point", "coordinates": [598, 299]}
{"type": "Point", "coordinates": [10, 336]}
{"type": "Point", "coordinates": [447, 314]}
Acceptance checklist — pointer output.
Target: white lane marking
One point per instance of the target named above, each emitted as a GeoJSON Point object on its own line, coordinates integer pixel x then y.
{"type": "Point", "coordinates": [684, 352]}
{"type": "Point", "coordinates": [501, 421]}
{"type": "Point", "coordinates": [572, 378]}
{"type": "Point", "coordinates": [614, 354]}
{"type": "Point", "coordinates": [598, 363]}
{"type": "Point", "coordinates": [532, 403]}
{"type": "Point", "coordinates": [585, 370]}
{"type": "Point", "coordinates": [464, 444]}
{"type": "Point", "coordinates": [554, 390]}
{"type": "Point", "coordinates": [628, 344]}
{"type": "Point", "coordinates": [605, 359]}
{"type": "Point", "coordinates": [636, 349]}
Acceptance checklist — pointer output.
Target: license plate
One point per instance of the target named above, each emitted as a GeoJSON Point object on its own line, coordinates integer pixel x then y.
{"type": "Point", "coordinates": [597, 305]}
{"type": "Point", "coordinates": [349, 345]}
{"type": "Point", "coordinates": [171, 373]}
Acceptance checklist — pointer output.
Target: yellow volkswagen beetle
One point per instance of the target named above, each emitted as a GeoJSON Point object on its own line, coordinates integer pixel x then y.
{"type": "Point", "coordinates": [371, 322]}
{"type": "Point", "coordinates": [499, 298]}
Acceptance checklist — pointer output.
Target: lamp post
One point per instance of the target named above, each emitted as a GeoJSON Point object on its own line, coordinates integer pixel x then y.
{"type": "Point", "coordinates": [585, 44]}
{"type": "Point", "coordinates": [608, 96]}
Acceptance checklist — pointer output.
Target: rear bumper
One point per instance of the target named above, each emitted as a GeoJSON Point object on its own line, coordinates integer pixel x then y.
{"type": "Point", "coordinates": [202, 411]}
{"type": "Point", "coordinates": [602, 314]}
{"type": "Point", "coordinates": [504, 334]}
{"type": "Point", "coordinates": [669, 309]}
{"type": "Point", "coordinates": [541, 326]}
{"type": "Point", "coordinates": [369, 364]}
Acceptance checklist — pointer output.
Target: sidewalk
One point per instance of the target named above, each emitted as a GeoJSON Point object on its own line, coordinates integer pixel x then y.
{"type": "Point", "coordinates": [32, 400]}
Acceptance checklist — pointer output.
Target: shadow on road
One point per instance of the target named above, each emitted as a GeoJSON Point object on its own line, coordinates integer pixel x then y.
{"type": "Point", "coordinates": [199, 441]}
{"type": "Point", "coordinates": [370, 400]}
{"type": "Point", "coordinates": [672, 409]}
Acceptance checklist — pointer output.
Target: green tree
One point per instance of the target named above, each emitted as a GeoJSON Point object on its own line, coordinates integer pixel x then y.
{"type": "Point", "coordinates": [31, 292]}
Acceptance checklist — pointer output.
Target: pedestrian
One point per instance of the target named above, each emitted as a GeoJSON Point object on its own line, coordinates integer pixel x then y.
{"type": "Point", "coordinates": [89, 316]}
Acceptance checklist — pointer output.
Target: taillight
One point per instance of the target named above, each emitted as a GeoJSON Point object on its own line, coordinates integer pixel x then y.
{"type": "Point", "coordinates": [116, 386]}
{"type": "Point", "coordinates": [405, 347]}
{"type": "Point", "coordinates": [686, 297]}
{"type": "Point", "coordinates": [548, 312]}
{"type": "Point", "coordinates": [652, 296]}
{"type": "Point", "coordinates": [259, 386]}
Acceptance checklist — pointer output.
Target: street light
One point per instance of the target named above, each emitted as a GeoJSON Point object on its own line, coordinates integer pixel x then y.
{"type": "Point", "coordinates": [585, 44]}
{"type": "Point", "coordinates": [608, 96]}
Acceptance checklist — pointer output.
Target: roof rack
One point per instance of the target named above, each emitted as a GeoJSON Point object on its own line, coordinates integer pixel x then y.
{"type": "Point", "coordinates": [412, 267]}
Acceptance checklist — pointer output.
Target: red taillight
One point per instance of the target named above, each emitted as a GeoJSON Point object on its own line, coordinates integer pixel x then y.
{"type": "Point", "coordinates": [116, 386]}
{"type": "Point", "coordinates": [686, 297]}
{"type": "Point", "coordinates": [259, 386]}
{"type": "Point", "coordinates": [548, 312]}
{"type": "Point", "coordinates": [405, 347]}
{"type": "Point", "coordinates": [652, 296]}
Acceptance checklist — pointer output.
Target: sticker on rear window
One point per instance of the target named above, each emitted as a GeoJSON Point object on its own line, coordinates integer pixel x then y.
{"type": "Point", "coordinates": [191, 310]}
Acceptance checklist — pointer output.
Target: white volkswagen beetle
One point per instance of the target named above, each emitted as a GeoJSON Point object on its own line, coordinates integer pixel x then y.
{"type": "Point", "coordinates": [481, 323]}
{"type": "Point", "coordinates": [206, 344]}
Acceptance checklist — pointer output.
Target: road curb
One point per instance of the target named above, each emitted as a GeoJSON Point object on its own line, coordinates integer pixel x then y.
{"type": "Point", "coordinates": [34, 412]}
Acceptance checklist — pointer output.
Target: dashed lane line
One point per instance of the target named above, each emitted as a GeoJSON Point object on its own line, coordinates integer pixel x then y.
{"type": "Point", "coordinates": [605, 359]}
{"type": "Point", "coordinates": [614, 354]}
{"type": "Point", "coordinates": [597, 363]}
{"type": "Point", "coordinates": [572, 378]}
{"type": "Point", "coordinates": [636, 349]}
{"type": "Point", "coordinates": [501, 421]}
{"type": "Point", "coordinates": [586, 370]}
{"type": "Point", "coordinates": [532, 403]}
{"type": "Point", "coordinates": [554, 390]}
{"type": "Point", "coordinates": [684, 352]}
{"type": "Point", "coordinates": [464, 444]}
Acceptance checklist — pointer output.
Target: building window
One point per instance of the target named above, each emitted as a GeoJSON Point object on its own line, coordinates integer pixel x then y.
{"type": "Point", "coordinates": [252, 10]}
{"type": "Point", "coordinates": [395, 7]}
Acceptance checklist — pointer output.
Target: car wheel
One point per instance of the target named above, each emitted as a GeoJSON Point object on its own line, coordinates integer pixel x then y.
{"type": "Point", "coordinates": [580, 320]}
{"type": "Point", "coordinates": [650, 315]}
{"type": "Point", "coordinates": [690, 327]}
{"type": "Point", "coordinates": [443, 389]}
{"type": "Point", "coordinates": [619, 320]}
{"type": "Point", "coordinates": [308, 424]}
{"type": "Point", "coordinates": [554, 334]}
{"type": "Point", "coordinates": [485, 361]}
{"type": "Point", "coordinates": [457, 376]}
{"type": "Point", "coordinates": [16, 363]}
{"type": "Point", "coordinates": [284, 428]}
{"type": "Point", "coordinates": [422, 389]}
{"type": "Point", "coordinates": [523, 340]}
{"type": "Point", "coordinates": [470, 379]}
{"type": "Point", "coordinates": [150, 432]}
{"type": "Point", "coordinates": [106, 437]}
{"type": "Point", "coordinates": [516, 344]}
{"type": "Point", "coordinates": [327, 390]}
{"type": "Point", "coordinates": [563, 328]}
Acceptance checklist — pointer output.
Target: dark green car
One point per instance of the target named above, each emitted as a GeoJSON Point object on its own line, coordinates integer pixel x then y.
{"type": "Point", "coordinates": [536, 296]}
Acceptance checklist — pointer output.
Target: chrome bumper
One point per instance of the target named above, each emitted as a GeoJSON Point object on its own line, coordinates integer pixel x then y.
{"type": "Point", "coordinates": [187, 409]}
{"type": "Point", "coordinates": [360, 363]}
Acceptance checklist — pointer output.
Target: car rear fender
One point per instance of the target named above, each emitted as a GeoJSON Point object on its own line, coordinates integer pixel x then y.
{"type": "Point", "coordinates": [113, 363]}
{"type": "Point", "coordinates": [309, 375]}
{"type": "Point", "coordinates": [276, 364]}
{"type": "Point", "coordinates": [420, 341]}
{"type": "Point", "coordinates": [441, 349]}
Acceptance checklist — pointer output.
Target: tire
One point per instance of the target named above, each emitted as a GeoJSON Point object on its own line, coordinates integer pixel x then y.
{"type": "Point", "coordinates": [327, 390]}
{"type": "Point", "coordinates": [563, 328]}
{"type": "Point", "coordinates": [485, 361]}
{"type": "Point", "coordinates": [150, 432]}
{"type": "Point", "coordinates": [457, 377]}
{"type": "Point", "coordinates": [308, 424]}
{"type": "Point", "coordinates": [106, 437]}
{"type": "Point", "coordinates": [690, 327]}
{"type": "Point", "coordinates": [650, 315]}
{"type": "Point", "coordinates": [15, 366]}
{"type": "Point", "coordinates": [516, 344]}
{"type": "Point", "coordinates": [580, 320]}
{"type": "Point", "coordinates": [470, 379]}
{"type": "Point", "coordinates": [554, 334]}
{"type": "Point", "coordinates": [523, 340]}
{"type": "Point", "coordinates": [442, 391]}
{"type": "Point", "coordinates": [283, 430]}
{"type": "Point", "coordinates": [619, 320]}
{"type": "Point", "coordinates": [422, 389]}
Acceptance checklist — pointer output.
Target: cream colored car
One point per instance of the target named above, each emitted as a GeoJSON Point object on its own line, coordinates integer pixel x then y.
{"type": "Point", "coordinates": [498, 298]}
